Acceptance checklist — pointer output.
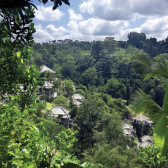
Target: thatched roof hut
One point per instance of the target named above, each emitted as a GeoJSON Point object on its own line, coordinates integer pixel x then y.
{"type": "Point", "coordinates": [77, 99]}
{"type": "Point", "coordinates": [141, 118]}
{"type": "Point", "coordinates": [147, 138]}
{"type": "Point", "coordinates": [59, 111]}
{"type": "Point", "coordinates": [47, 85]}
{"type": "Point", "coordinates": [145, 144]}
{"type": "Point", "coordinates": [44, 68]}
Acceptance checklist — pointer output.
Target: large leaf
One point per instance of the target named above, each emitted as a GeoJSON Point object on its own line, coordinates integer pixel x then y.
{"type": "Point", "coordinates": [160, 134]}
{"type": "Point", "coordinates": [143, 103]}
{"type": "Point", "coordinates": [165, 101]}
{"type": "Point", "coordinates": [143, 59]}
{"type": "Point", "coordinates": [165, 108]}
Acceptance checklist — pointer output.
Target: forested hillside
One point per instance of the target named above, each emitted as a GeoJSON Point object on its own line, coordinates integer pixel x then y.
{"type": "Point", "coordinates": [109, 73]}
{"type": "Point", "coordinates": [108, 65]}
{"type": "Point", "coordinates": [80, 104]}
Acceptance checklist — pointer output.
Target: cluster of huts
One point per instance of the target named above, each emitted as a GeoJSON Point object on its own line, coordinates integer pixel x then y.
{"type": "Point", "coordinates": [139, 127]}
{"type": "Point", "coordinates": [62, 115]}
{"type": "Point", "coordinates": [58, 113]}
{"type": "Point", "coordinates": [47, 90]}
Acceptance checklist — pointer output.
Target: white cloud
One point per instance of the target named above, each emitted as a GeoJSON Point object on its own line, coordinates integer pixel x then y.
{"type": "Point", "coordinates": [41, 35]}
{"type": "Point", "coordinates": [39, 26]}
{"type": "Point", "coordinates": [74, 16]}
{"type": "Point", "coordinates": [108, 18]}
{"type": "Point", "coordinates": [124, 10]}
{"type": "Point", "coordinates": [94, 28]}
{"type": "Point", "coordinates": [91, 29]}
{"type": "Point", "coordinates": [47, 14]}
{"type": "Point", "coordinates": [153, 27]}
{"type": "Point", "coordinates": [98, 29]}
{"type": "Point", "coordinates": [49, 33]}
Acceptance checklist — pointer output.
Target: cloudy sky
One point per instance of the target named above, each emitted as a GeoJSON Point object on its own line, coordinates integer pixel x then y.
{"type": "Point", "coordinates": [96, 19]}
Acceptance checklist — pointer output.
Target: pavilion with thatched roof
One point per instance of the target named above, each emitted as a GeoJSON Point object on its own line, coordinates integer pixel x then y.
{"type": "Point", "coordinates": [44, 68]}
{"type": "Point", "coordinates": [141, 118]}
{"type": "Point", "coordinates": [61, 115]}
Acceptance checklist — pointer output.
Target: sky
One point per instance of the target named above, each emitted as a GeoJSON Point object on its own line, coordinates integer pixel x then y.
{"type": "Point", "coordinates": [88, 20]}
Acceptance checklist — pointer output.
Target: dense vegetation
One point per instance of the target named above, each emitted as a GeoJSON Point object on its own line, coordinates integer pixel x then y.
{"type": "Point", "coordinates": [107, 77]}
{"type": "Point", "coordinates": [110, 73]}
{"type": "Point", "coordinates": [107, 64]}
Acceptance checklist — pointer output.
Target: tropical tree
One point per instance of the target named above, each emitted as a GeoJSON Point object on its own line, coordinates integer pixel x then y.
{"type": "Point", "coordinates": [145, 103]}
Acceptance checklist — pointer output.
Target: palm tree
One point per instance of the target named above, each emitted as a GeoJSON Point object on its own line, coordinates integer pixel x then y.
{"type": "Point", "coordinates": [144, 103]}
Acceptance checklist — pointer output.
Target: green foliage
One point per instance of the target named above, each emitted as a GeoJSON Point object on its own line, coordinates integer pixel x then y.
{"type": "Point", "coordinates": [144, 104]}
{"type": "Point", "coordinates": [90, 76]}
{"type": "Point", "coordinates": [23, 144]}
{"type": "Point", "coordinates": [161, 133]}
{"type": "Point", "coordinates": [80, 91]}
{"type": "Point", "coordinates": [151, 157]}
{"type": "Point", "coordinates": [57, 3]}
{"type": "Point", "coordinates": [78, 61]}
{"type": "Point", "coordinates": [96, 49]}
{"type": "Point", "coordinates": [87, 118]}
{"type": "Point", "coordinates": [51, 128]}
{"type": "Point", "coordinates": [68, 88]}
{"type": "Point", "coordinates": [137, 39]}
{"type": "Point", "coordinates": [61, 101]}
{"type": "Point", "coordinates": [57, 84]}
{"type": "Point", "coordinates": [17, 24]}
{"type": "Point", "coordinates": [113, 157]}
{"type": "Point", "coordinates": [98, 121]}
{"type": "Point", "coordinates": [110, 44]}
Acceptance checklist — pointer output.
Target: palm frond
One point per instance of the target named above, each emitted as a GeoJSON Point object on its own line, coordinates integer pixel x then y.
{"type": "Point", "coordinates": [143, 103]}
{"type": "Point", "coordinates": [165, 102]}
{"type": "Point", "coordinates": [160, 134]}
{"type": "Point", "coordinates": [142, 61]}
{"type": "Point", "coordinates": [160, 69]}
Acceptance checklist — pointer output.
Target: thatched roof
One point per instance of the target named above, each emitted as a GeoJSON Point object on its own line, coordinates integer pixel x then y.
{"type": "Point", "coordinates": [127, 126]}
{"type": "Point", "coordinates": [44, 68]}
{"type": "Point", "coordinates": [147, 138]}
{"type": "Point", "coordinates": [77, 99]}
{"type": "Point", "coordinates": [127, 132]}
{"type": "Point", "coordinates": [143, 118]}
{"type": "Point", "coordinates": [60, 111]}
{"type": "Point", "coordinates": [77, 96]}
{"type": "Point", "coordinates": [145, 144]}
{"type": "Point", "coordinates": [47, 85]}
